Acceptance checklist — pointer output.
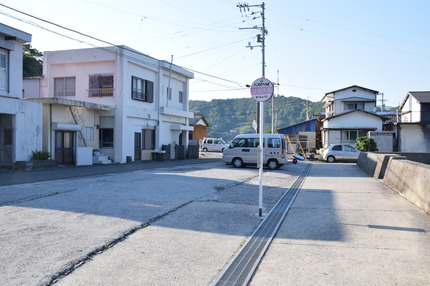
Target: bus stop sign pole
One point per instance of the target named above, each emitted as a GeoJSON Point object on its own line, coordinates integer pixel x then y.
{"type": "Point", "coordinates": [261, 90]}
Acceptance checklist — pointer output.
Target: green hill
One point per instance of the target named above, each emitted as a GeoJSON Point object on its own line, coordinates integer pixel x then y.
{"type": "Point", "coordinates": [225, 115]}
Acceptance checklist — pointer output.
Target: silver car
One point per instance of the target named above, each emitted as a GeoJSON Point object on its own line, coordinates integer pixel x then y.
{"type": "Point", "coordinates": [340, 152]}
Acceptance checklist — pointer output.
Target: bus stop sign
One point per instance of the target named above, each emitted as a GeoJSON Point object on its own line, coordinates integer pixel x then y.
{"type": "Point", "coordinates": [262, 89]}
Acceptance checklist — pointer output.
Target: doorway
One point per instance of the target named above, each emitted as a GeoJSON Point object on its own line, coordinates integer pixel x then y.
{"type": "Point", "coordinates": [65, 147]}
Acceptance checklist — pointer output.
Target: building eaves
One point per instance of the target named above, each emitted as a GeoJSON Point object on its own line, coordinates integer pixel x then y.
{"type": "Point", "coordinates": [355, 99]}
{"type": "Point", "coordinates": [352, 111]}
{"type": "Point", "coordinates": [19, 35]}
{"type": "Point", "coordinates": [352, 86]}
{"type": "Point", "coordinates": [70, 102]}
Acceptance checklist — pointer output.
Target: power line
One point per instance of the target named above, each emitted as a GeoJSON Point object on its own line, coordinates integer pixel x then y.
{"type": "Point", "coordinates": [94, 38]}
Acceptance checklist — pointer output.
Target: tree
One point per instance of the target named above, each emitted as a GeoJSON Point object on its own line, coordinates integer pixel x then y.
{"type": "Point", "coordinates": [32, 61]}
{"type": "Point", "coordinates": [366, 144]}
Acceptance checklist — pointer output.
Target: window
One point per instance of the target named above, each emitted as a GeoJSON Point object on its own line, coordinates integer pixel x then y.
{"type": "Point", "coordinates": [337, 148]}
{"type": "Point", "coordinates": [142, 90]}
{"type": "Point", "coordinates": [169, 93]}
{"type": "Point", "coordinates": [89, 133]}
{"type": "Point", "coordinates": [4, 73]}
{"type": "Point", "coordinates": [3, 61]}
{"type": "Point", "coordinates": [354, 106]}
{"type": "Point", "coordinates": [349, 136]}
{"type": "Point", "coordinates": [274, 143]}
{"type": "Point", "coordinates": [181, 97]}
{"type": "Point", "coordinates": [349, 148]}
{"type": "Point", "coordinates": [101, 85]}
{"type": "Point", "coordinates": [64, 86]}
{"type": "Point", "coordinates": [106, 137]}
{"type": "Point", "coordinates": [253, 142]}
{"type": "Point", "coordinates": [239, 142]}
{"type": "Point", "coordinates": [148, 139]}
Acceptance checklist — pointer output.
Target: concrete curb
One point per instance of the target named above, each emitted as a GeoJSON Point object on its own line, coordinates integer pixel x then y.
{"type": "Point", "coordinates": [407, 178]}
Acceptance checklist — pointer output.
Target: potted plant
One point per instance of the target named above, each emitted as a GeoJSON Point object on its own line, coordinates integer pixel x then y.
{"type": "Point", "coordinates": [41, 160]}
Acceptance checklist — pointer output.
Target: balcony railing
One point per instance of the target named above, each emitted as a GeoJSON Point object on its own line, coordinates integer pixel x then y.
{"type": "Point", "coordinates": [99, 92]}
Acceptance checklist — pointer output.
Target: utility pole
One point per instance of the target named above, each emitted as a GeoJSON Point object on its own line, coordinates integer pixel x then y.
{"type": "Point", "coordinates": [273, 106]}
{"type": "Point", "coordinates": [307, 108]}
{"type": "Point", "coordinates": [382, 100]}
{"type": "Point", "coordinates": [261, 38]}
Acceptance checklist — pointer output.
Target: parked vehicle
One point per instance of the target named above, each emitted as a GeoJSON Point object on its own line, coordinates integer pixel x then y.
{"type": "Point", "coordinates": [213, 145]}
{"type": "Point", "coordinates": [243, 151]}
{"type": "Point", "coordinates": [340, 152]}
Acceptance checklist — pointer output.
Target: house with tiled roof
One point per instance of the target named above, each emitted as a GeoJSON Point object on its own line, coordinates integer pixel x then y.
{"type": "Point", "coordinates": [413, 132]}
{"type": "Point", "coordinates": [416, 107]}
{"type": "Point", "coordinates": [350, 113]}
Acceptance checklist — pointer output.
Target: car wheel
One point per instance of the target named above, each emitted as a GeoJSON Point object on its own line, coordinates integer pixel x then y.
{"type": "Point", "coordinates": [205, 149]}
{"type": "Point", "coordinates": [237, 163]}
{"type": "Point", "coordinates": [272, 164]}
{"type": "Point", "coordinates": [331, 159]}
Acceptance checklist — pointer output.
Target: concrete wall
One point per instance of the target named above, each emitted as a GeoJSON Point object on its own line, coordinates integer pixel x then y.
{"type": "Point", "coordinates": [408, 178]}
{"type": "Point", "coordinates": [384, 140]}
{"type": "Point", "coordinates": [413, 137]}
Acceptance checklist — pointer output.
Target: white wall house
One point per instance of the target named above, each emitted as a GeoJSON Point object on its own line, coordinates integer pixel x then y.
{"type": "Point", "coordinates": [20, 120]}
{"type": "Point", "coordinates": [413, 132]}
{"type": "Point", "coordinates": [118, 100]}
{"type": "Point", "coordinates": [350, 113]}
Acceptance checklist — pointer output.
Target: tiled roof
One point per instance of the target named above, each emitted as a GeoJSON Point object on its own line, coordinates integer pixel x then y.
{"type": "Point", "coordinates": [390, 117]}
{"type": "Point", "coordinates": [421, 96]}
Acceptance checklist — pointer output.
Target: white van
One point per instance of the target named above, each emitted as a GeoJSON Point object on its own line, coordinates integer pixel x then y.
{"type": "Point", "coordinates": [243, 150]}
{"type": "Point", "coordinates": [213, 145]}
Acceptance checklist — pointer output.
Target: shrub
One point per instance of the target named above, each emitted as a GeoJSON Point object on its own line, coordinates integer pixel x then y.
{"type": "Point", "coordinates": [366, 144]}
{"type": "Point", "coordinates": [40, 155]}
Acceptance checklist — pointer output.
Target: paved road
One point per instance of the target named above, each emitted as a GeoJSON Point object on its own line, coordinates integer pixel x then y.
{"type": "Point", "coordinates": [180, 225]}
{"type": "Point", "coordinates": [172, 225]}
{"type": "Point", "coordinates": [346, 228]}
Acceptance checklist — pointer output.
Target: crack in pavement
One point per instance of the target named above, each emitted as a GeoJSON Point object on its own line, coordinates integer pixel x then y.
{"type": "Point", "coordinates": [73, 265]}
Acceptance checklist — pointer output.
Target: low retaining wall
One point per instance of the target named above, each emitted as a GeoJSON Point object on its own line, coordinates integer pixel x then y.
{"type": "Point", "coordinates": [409, 179]}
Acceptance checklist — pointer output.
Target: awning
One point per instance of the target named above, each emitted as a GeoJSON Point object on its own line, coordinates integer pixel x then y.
{"type": "Point", "coordinates": [66, 126]}
{"type": "Point", "coordinates": [179, 127]}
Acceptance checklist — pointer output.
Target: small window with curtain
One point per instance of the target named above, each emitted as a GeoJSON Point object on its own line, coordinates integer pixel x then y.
{"type": "Point", "coordinates": [65, 86]}
{"type": "Point", "coordinates": [89, 133]}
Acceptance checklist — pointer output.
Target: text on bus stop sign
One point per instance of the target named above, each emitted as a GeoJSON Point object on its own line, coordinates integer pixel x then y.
{"type": "Point", "coordinates": [262, 89]}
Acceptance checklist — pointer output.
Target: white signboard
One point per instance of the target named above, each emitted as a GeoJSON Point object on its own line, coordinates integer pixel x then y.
{"type": "Point", "coordinates": [262, 89]}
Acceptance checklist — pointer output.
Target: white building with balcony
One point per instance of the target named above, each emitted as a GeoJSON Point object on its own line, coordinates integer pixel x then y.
{"type": "Point", "coordinates": [350, 113]}
{"type": "Point", "coordinates": [115, 100]}
{"type": "Point", "coordinates": [20, 120]}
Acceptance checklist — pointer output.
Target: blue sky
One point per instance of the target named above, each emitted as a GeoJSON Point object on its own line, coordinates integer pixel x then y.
{"type": "Point", "coordinates": [317, 46]}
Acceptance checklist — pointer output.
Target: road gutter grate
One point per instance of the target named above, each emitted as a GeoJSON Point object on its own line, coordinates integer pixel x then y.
{"type": "Point", "coordinates": [242, 267]}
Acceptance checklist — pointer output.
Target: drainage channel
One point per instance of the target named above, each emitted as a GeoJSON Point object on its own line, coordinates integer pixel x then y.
{"type": "Point", "coordinates": [243, 265]}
